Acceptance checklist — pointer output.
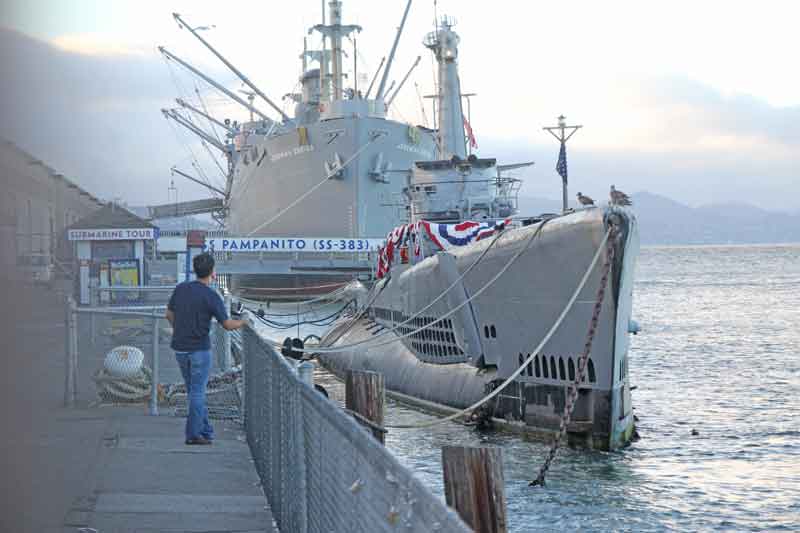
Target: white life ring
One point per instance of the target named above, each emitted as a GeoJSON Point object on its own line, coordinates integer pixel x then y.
{"type": "Point", "coordinates": [124, 361]}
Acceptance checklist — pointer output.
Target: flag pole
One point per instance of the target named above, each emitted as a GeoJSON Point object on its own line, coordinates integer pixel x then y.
{"type": "Point", "coordinates": [563, 135]}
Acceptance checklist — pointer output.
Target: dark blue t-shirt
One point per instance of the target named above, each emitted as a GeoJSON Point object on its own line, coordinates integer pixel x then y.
{"type": "Point", "coordinates": [194, 303]}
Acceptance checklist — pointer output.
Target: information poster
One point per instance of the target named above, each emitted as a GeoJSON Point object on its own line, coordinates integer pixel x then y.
{"type": "Point", "coordinates": [124, 273]}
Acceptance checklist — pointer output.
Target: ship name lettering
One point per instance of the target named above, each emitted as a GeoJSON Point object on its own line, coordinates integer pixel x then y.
{"type": "Point", "coordinates": [297, 150]}
{"type": "Point", "coordinates": [415, 150]}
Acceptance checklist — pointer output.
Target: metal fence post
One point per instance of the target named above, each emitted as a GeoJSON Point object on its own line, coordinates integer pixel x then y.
{"type": "Point", "coordinates": [227, 356]}
{"type": "Point", "coordinates": [74, 323]}
{"type": "Point", "coordinates": [69, 375]}
{"type": "Point", "coordinates": [154, 384]}
{"type": "Point", "coordinates": [305, 371]}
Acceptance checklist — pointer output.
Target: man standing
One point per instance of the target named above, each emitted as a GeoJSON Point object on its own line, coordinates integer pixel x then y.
{"type": "Point", "coordinates": [190, 309]}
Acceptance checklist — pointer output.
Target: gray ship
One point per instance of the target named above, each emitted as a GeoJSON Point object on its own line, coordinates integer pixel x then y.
{"type": "Point", "coordinates": [329, 171]}
{"type": "Point", "coordinates": [471, 298]}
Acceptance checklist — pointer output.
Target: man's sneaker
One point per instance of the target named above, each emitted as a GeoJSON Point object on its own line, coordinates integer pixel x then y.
{"type": "Point", "coordinates": [198, 441]}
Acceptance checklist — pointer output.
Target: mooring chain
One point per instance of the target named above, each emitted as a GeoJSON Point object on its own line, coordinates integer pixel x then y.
{"type": "Point", "coordinates": [582, 363]}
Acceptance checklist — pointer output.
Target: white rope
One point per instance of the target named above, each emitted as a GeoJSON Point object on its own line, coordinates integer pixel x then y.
{"type": "Point", "coordinates": [533, 353]}
{"type": "Point", "coordinates": [317, 186]}
{"type": "Point", "coordinates": [441, 318]}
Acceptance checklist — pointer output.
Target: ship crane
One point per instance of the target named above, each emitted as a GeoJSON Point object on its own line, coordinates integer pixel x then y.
{"type": "Point", "coordinates": [230, 94]}
{"type": "Point", "coordinates": [193, 109]}
{"type": "Point", "coordinates": [186, 123]}
{"type": "Point", "coordinates": [233, 69]}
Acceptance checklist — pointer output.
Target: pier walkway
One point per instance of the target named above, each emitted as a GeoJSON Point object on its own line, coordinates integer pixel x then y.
{"type": "Point", "coordinates": [113, 469]}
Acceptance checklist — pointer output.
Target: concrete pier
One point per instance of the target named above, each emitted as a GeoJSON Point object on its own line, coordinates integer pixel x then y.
{"type": "Point", "coordinates": [108, 468]}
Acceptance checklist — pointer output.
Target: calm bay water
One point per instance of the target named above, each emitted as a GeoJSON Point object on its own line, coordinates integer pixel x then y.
{"type": "Point", "coordinates": [719, 352]}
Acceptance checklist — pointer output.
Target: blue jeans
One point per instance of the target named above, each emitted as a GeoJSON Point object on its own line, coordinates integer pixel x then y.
{"type": "Point", "coordinates": [195, 367]}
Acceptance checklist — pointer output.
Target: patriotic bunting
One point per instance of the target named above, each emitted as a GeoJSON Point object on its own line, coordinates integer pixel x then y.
{"type": "Point", "coordinates": [443, 236]}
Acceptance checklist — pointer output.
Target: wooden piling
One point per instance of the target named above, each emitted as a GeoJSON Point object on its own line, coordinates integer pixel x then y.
{"type": "Point", "coordinates": [474, 486]}
{"type": "Point", "coordinates": [365, 395]}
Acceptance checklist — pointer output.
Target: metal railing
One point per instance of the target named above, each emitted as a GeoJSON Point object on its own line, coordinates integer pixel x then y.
{"type": "Point", "coordinates": [322, 471]}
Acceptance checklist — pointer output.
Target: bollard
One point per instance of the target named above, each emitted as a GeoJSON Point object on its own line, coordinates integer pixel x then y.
{"type": "Point", "coordinates": [154, 384]}
{"type": "Point", "coordinates": [474, 487]}
{"type": "Point", "coordinates": [365, 395]}
{"type": "Point", "coordinates": [69, 375]}
{"type": "Point", "coordinates": [305, 371]}
{"type": "Point", "coordinates": [227, 356]}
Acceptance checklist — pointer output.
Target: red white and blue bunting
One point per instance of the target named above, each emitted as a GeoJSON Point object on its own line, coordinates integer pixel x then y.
{"type": "Point", "coordinates": [443, 236]}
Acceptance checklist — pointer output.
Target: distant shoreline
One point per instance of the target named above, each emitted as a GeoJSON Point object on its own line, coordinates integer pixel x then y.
{"type": "Point", "coordinates": [727, 245]}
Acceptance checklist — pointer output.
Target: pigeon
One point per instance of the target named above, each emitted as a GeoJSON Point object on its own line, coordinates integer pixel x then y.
{"type": "Point", "coordinates": [585, 200]}
{"type": "Point", "coordinates": [619, 197]}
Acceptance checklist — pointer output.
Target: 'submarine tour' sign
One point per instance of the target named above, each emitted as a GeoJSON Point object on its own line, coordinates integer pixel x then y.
{"type": "Point", "coordinates": [291, 244]}
{"type": "Point", "coordinates": [128, 234]}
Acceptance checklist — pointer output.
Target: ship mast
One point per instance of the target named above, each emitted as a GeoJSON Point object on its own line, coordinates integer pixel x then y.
{"type": "Point", "coordinates": [334, 31]}
{"type": "Point", "coordinates": [444, 44]}
{"type": "Point", "coordinates": [561, 167]}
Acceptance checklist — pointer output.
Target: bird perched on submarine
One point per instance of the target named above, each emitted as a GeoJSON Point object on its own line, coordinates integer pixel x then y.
{"type": "Point", "coordinates": [619, 197]}
{"type": "Point", "coordinates": [584, 200]}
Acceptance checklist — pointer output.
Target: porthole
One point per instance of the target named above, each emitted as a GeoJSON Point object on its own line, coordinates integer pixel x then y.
{"type": "Point", "coordinates": [493, 331]}
{"type": "Point", "coordinates": [544, 367]}
{"type": "Point", "coordinates": [561, 372]}
{"type": "Point", "coordinates": [553, 373]}
{"type": "Point", "coordinates": [486, 331]}
{"type": "Point", "coordinates": [571, 367]}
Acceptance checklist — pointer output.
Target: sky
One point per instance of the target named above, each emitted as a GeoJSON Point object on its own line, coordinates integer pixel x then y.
{"type": "Point", "coordinates": [698, 101]}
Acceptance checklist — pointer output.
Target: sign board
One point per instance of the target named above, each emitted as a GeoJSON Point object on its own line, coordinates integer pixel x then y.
{"type": "Point", "coordinates": [129, 234]}
{"type": "Point", "coordinates": [291, 244]}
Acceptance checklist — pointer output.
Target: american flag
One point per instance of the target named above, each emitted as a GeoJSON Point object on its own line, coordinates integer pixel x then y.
{"type": "Point", "coordinates": [470, 135]}
{"type": "Point", "coordinates": [561, 166]}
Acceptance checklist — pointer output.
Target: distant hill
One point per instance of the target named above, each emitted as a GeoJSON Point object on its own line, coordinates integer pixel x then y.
{"type": "Point", "coordinates": [174, 224]}
{"type": "Point", "coordinates": [665, 221]}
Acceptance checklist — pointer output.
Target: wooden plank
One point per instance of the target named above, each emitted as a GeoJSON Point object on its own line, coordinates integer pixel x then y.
{"type": "Point", "coordinates": [474, 486]}
{"type": "Point", "coordinates": [365, 395]}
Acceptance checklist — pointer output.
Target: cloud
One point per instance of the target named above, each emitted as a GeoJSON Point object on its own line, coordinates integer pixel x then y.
{"type": "Point", "coordinates": [93, 117]}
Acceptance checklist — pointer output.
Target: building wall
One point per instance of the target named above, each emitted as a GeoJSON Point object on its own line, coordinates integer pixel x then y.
{"type": "Point", "coordinates": [37, 204]}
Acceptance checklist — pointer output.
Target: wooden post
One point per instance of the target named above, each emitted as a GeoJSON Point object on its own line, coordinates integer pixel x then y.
{"type": "Point", "coordinates": [474, 486]}
{"type": "Point", "coordinates": [365, 395]}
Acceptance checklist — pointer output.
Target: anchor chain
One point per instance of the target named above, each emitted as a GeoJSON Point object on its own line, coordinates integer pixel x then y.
{"type": "Point", "coordinates": [572, 395]}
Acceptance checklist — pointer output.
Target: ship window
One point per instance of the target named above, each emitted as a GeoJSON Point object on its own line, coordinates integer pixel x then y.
{"type": "Point", "coordinates": [561, 371]}
{"type": "Point", "coordinates": [571, 367]}
{"type": "Point", "coordinates": [592, 377]}
{"type": "Point", "coordinates": [536, 366]}
{"type": "Point", "coordinates": [493, 331]}
{"type": "Point", "coordinates": [544, 367]}
{"type": "Point", "coordinates": [553, 373]}
{"type": "Point", "coordinates": [486, 331]}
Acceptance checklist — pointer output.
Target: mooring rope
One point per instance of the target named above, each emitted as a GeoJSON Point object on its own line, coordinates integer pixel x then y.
{"type": "Point", "coordinates": [371, 341]}
{"type": "Point", "coordinates": [530, 358]}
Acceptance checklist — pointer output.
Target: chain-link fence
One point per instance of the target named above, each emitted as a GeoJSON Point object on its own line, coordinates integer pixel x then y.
{"type": "Point", "coordinates": [122, 355]}
{"type": "Point", "coordinates": [322, 471]}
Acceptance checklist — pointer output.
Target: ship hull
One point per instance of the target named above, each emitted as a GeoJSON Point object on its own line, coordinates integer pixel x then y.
{"type": "Point", "coordinates": [458, 361]}
{"type": "Point", "coordinates": [363, 201]}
